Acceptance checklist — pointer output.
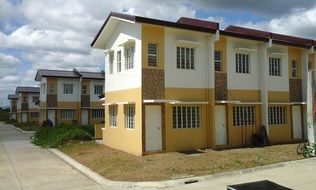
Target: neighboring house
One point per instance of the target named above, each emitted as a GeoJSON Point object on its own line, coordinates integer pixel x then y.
{"type": "Point", "coordinates": [13, 98]}
{"type": "Point", "coordinates": [71, 96]}
{"type": "Point", "coordinates": [176, 86]}
{"type": "Point", "coordinates": [27, 109]}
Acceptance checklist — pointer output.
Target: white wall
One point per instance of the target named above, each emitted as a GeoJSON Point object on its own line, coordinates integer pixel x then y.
{"type": "Point", "coordinates": [30, 100]}
{"type": "Point", "coordinates": [42, 92]}
{"type": "Point", "coordinates": [95, 97]}
{"type": "Point", "coordinates": [74, 97]}
{"type": "Point", "coordinates": [247, 81]}
{"type": "Point", "coordinates": [279, 83]}
{"type": "Point", "coordinates": [19, 101]}
{"type": "Point", "coordinates": [182, 78]}
{"type": "Point", "coordinates": [126, 79]}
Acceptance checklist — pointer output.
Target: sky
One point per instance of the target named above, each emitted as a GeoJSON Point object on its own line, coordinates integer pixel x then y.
{"type": "Point", "coordinates": [56, 34]}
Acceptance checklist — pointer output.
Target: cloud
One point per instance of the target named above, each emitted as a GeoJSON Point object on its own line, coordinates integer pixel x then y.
{"type": "Point", "coordinates": [8, 65]}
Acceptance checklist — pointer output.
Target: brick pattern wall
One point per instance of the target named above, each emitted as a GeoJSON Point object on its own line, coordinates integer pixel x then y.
{"type": "Point", "coordinates": [295, 90]}
{"type": "Point", "coordinates": [153, 84]}
{"type": "Point", "coordinates": [220, 86]}
{"type": "Point", "coordinates": [51, 100]}
{"type": "Point", "coordinates": [25, 107]}
{"type": "Point", "coordinates": [85, 100]}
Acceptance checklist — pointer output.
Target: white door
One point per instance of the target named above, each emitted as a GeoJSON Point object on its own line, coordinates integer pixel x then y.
{"type": "Point", "coordinates": [24, 117]}
{"type": "Point", "coordinates": [84, 117]}
{"type": "Point", "coordinates": [297, 122]}
{"type": "Point", "coordinates": [51, 116]}
{"type": "Point", "coordinates": [153, 128]}
{"type": "Point", "coordinates": [220, 122]}
{"type": "Point", "coordinates": [13, 116]}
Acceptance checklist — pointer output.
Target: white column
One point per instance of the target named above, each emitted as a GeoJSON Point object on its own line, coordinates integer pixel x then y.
{"type": "Point", "coordinates": [307, 109]}
{"type": "Point", "coordinates": [263, 74]}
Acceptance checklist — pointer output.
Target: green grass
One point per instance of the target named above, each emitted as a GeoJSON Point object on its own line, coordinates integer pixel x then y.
{"type": "Point", "coordinates": [4, 116]}
{"type": "Point", "coordinates": [27, 126]}
{"type": "Point", "coordinates": [59, 135]}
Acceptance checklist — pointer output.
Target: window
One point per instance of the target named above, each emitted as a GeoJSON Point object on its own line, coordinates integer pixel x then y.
{"type": "Point", "coordinates": [51, 89]}
{"type": "Point", "coordinates": [68, 88]}
{"type": "Point", "coordinates": [186, 117]}
{"type": "Point", "coordinates": [276, 115]}
{"type": "Point", "coordinates": [24, 99]}
{"type": "Point", "coordinates": [98, 113]}
{"type": "Point", "coordinates": [34, 114]}
{"type": "Point", "coordinates": [242, 63]}
{"type": "Point", "coordinates": [111, 59]}
{"type": "Point", "coordinates": [217, 61]}
{"type": "Point", "coordinates": [185, 58]}
{"type": "Point", "coordinates": [294, 68]}
{"type": "Point", "coordinates": [152, 55]}
{"type": "Point", "coordinates": [119, 61]}
{"type": "Point", "coordinates": [243, 116]}
{"type": "Point", "coordinates": [35, 99]}
{"type": "Point", "coordinates": [130, 116]}
{"type": "Point", "coordinates": [84, 90]}
{"type": "Point", "coordinates": [98, 89]}
{"type": "Point", "coordinates": [67, 114]}
{"type": "Point", "coordinates": [129, 57]}
{"type": "Point", "coordinates": [113, 115]}
{"type": "Point", "coordinates": [274, 66]}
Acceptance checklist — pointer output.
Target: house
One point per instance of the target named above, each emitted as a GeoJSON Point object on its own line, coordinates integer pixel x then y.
{"type": "Point", "coordinates": [71, 96]}
{"type": "Point", "coordinates": [13, 98]}
{"type": "Point", "coordinates": [176, 86]}
{"type": "Point", "coordinates": [24, 102]}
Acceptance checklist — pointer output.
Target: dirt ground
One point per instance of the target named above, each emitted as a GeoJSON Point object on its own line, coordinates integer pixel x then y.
{"type": "Point", "coordinates": [117, 165]}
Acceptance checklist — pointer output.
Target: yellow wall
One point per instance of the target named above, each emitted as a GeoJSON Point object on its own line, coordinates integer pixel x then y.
{"type": "Point", "coordinates": [295, 54]}
{"type": "Point", "coordinates": [121, 138]}
{"type": "Point", "coordinates": [221, 46]}
{"type": "Point", "coordinates": [54, 82]}
{"type": "Point", "coordinates": [278, 96]}
{"type": "Point", "coordinates": [156, 35]}
{"type": "Point", "coordinates": [244, 95]}
{"type": "Point", "coordinates": [98, 131]}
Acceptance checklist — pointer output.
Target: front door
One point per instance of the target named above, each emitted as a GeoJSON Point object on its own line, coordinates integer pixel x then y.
{"type": "Point", "coordinates": [51, 116]}
{"type": "Point", "coordinates": [84, 117]}
{"type": "Point", "coordinates": [24, 117]}
{"type": "Point", "coordinates": [153, 128]}
{"type": "Point", "coordinates": [220, 119]}
{"type": "Point", "coordinates": [297, 122]}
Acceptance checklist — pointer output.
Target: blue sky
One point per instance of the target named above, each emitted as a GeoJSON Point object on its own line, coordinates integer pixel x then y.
{"type": "Point", "coordinates": [55, 34]}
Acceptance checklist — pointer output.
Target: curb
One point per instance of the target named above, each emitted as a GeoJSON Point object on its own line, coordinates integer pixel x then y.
{"type": "Point", "coordinates": [160, 184]}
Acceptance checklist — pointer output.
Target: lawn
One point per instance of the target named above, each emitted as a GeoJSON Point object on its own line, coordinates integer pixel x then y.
{"type": "Point", "coordinates": [4, 115]}
{"type": "Point", "coordinates": [117, 165]}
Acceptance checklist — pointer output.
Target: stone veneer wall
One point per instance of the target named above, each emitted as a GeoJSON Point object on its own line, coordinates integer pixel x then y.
{"type": "Point", "coordinates": [220, 86]}
{"type": "Point", "coordinates": [295, 90]}
{"type": "Point", "coordinates": [153, 84]}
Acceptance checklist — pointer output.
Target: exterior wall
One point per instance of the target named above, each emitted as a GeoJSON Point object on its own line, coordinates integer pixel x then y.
{"type": "Point", "coordinates": [43, 91]}
{"type": "Point", "coordinates": [126, 79]}
{"type": "Point", "coordinates": [128, 140]}
{"type": "Point", "coordinates": [74, 97]}
{"type": "Point", "coordinates": [95, 97]}
{"type": "Point", "coordinates": [32, 104]}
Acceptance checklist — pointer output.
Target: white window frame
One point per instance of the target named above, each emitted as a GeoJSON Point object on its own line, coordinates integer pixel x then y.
{"type": "Point", "coordinates": [244, 116]}
{"type": "Point", "coordinates": [294, 69]}
{"type": "Point", "coordinates": [242, 63]}
{"type": "Point", "coordinates": [275, 66]}
{"type": "Point", "coordinates": [130, 116]}
{"type": "Point", "coordinates": [68, 88]}
{"type": "Point", "coordinates": [277, 115]}
{"type": "Point", "coordinates": [129, 53]}
{"type": "Point", "coordinates": [152, 55]}
{"type": "Point", "coordinates": [113, 115]}
{"type": "Point", "coordinates": [119, 61]}
{"type": "Point", "coordinates": [67, 114]}
{"type": "Point", "coordinates": [111, 62]}
{"type": "Point", "coordinates": [97, 113]}
{"type": "Point", "coordinates": [186, 117]}
{"type": "Point", "coordinates": [98, 89]}
{"type": "Point", "coordinates": [218, 61]}
{"type": "Point", "coordinates": [185, 58]}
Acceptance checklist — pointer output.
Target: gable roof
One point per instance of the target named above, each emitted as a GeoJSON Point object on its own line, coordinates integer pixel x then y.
{"type": "Point", "coordinates": [13, 97]}
{"type": "Point", "coordinates": [68, 74]}
{"type": "Point", "coordinates": [182, 23]}
{"type": "Point", "coordinates": [248, 33]}
{"type": "Point", "coordinates": [27, 89]}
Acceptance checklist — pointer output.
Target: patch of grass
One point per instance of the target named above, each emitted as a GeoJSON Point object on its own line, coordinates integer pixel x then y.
{"type": "Point", "coordinates": [28, 126]}
{"type": "Point", "coordinates": [117, 165]}
{"type": "Point", "coordinates": [4, 116]}
{"type": "Point", "coordinates": [57, 136]}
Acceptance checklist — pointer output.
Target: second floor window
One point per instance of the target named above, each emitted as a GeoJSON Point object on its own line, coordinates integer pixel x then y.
{"type": "Point", "coordinates": [152, 55]}
{"type": "Point", "coordinates": [24, 99]}
{"type": "Point", "coordinates": [274, 66]}
{"type": "Point", "coordinates": [294, 69]}
{"type": "Point", "coordinates": [68, 88]}
{"type": "Point", "coordinates": [129, 57]}
{"type": "Point", "coordinates": [111, 60]}
{"type": "Point", "coordinates": [242, 63]}
{"type": "Point", "coordinates": [35, 99]}
{"type": "Point", "coordinates": [119, 61]}
{"type": "Point", "coordinates": [185, 58]}
{"type": "Point", "coordinates": [84, 90]}
{"type": "Point", "coordinates": [98, 89]}
{"type": "Point", "coordinates": [217, 61]}
{"type": "Point", "coordinates": [51, 89]}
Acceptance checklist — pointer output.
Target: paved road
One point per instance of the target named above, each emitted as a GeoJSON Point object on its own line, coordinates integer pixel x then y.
{"type": "Point", "coordinates": [24, 166]}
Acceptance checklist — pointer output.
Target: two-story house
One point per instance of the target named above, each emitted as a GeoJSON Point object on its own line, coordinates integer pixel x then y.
{"type": "Point", "coordinates": [27, 109]}
{"type": "Point", "coordinates": [13, 106]}
{"type": "Point", "coordinates": [175, 86]}
{"type": "Point", "coordinates": [71, 96]}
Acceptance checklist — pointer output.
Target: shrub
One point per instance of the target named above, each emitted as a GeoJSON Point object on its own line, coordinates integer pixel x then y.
{"type": "Point", "coordinates": [12, 121]}
{"type": "Point", "coordinates": [57, 136]}
{"type": "Point", "coordinates": [4, 116]}
{"type": "Point", "coordinates": [89, 129]}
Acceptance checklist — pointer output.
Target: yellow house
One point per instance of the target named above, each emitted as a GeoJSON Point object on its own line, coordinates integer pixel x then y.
{"type": "Point", "coordinates": [71, 96]}
{"type": "Point", "coordinates": [13, 98]}
{"type": "Point", "coordinates": [176, 86]}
